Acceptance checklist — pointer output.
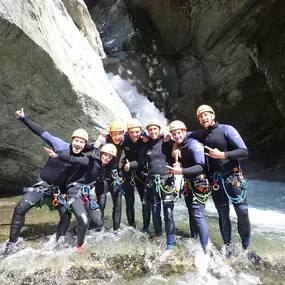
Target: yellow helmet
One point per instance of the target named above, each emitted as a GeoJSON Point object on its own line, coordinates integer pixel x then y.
{"type": "Point", "coordinates": [117, 126]}
{"type": "Point", "coordinates": [177, 125]}
{"type": "Point", "coordinates": [80, 133]}
{"type": "Point", "coordinates": [204, 108]}
{"type": "Point", "coordinates": [153, 122]}
{"type": "Point", "coordinates": [134, 123]}
{"type": "Point", "coordinates": [109, 148]}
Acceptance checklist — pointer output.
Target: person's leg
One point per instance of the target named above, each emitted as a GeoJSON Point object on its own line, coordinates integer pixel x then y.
{"type": "Point", "coordinates": [116, 195]}
{"type": "Point", "coordinates": [18, 219]}
{"type": "Point", "coordinates": [197, 212]}
{"type": "Point", "coordinates": [95, 215]}
{"type": "Point", "coordinates": [155, 205]}
{"type": "Point", "coordinates": [192, 224]}
{"type": "Point", "coordinates": [146, 209]}
{"type": "Point", "coordinates": [168, 208]}
{"type": "Point", "coordinates": [64, 222]}
{"type": "Point", "coordinates": [243, 223]}
{"type": "Point", "coordinates": [82, 219]}
{"type": "Point", "coordinates": [222, 205]}
{"type": "Point", "coordinates": [130, 201]}
{"type": "Point", "coordinates": [102, 189]}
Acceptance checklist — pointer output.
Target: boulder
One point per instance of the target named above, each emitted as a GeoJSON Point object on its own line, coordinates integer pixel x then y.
{"type": "Point", "coordinates": [50, 68]}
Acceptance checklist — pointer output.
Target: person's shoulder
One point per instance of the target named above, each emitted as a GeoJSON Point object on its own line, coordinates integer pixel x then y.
{"type": "Point", "coordinates": [194, 143]}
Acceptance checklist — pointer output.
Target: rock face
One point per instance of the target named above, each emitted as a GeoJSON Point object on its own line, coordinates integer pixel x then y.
{"type": "Point", "coordinates": [48, 67]}
{"type": "Point", "coordinates": [229, 54]}
{"type": "Point", "coordinates": [81, 17]}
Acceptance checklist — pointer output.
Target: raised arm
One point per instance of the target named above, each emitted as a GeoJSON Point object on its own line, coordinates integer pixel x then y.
{"type": "Point", "coordinates": [82, 160]}
{"type": "Point", "coordinates": [54, 142]}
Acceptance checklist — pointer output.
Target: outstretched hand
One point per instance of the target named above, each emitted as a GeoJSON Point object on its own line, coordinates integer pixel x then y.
{"type": "Point", "coordinates": [99, 140]}
{"type": "Point", "coordinates": [50, 152]}
{"type": "Point", "coordinates": [20, 113]}
{"type": "Point", "coordinates": [215, 153]}
{"type": "Point", "coordinates": [176, 169]}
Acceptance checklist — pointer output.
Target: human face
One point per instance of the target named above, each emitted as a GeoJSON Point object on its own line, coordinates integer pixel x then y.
{"type": "Point", "coordinates": [117, 136]}
{"type": "Point", "coordinates": [153, 131]}
{"type": "Point", "coordinates": [178, 135]}
{"type": "Point", "coordinates": [134, 134]}
{"type": "Point", "coordinates": [106, 157]}
{"type": "Point", "coordinates": [206, 119]}
{"type": "Point", "coordinates": [77, 144]}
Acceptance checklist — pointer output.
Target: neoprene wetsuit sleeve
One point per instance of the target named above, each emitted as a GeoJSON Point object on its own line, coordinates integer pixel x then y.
{"type": "Point", "coordinates": [235, 140]}
{"type": "Point", "coordinates": [88, 147]}
{"type": "Point", "coordinates": [197, 150]}
{"type": "Point", "coordinates": [34, 127]}
{"type": "Point", "coordinates": [83, 160]}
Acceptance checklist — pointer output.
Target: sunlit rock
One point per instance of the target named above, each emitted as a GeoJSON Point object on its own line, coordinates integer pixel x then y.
{"type": "Point", "coordinates": [81, 17]}
{"type": "Point", "coordinates": [48, 67]}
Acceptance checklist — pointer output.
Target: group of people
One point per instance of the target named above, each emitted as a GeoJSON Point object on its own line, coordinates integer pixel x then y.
{"type": "Point", "coordinates": [131, 158]}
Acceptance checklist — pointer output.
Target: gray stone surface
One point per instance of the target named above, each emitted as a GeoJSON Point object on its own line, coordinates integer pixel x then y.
{"type": "Point", "coordinates": [229, 54]}
{"type": "Point", "coordinates": [48, 67]}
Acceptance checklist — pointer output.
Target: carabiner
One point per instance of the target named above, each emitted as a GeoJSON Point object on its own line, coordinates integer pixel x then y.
{"type": "Point", "coordinates": [215, 186]}
{"type": "Point", "coordinates": [85, 199]}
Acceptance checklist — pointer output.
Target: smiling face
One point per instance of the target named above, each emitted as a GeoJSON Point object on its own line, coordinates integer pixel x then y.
{"type": "Point", "coordinates": [178, 135]}
{"type": "Point", "coordinates": [117, 136]}
{"type": "Point", "coordinates": [134, 133]}
{"type": "Point", "coordinates": [206, 119]}
{"type": "Point", "coordinates": [77, 145]}
{"type": "Point", "coordinates": [106, 157]}
{"type": "Point", "coordinates": [153, 131]}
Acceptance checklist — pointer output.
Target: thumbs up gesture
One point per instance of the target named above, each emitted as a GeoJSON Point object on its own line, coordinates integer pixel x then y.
{"type": "Point", "coordinates": [127, 166]}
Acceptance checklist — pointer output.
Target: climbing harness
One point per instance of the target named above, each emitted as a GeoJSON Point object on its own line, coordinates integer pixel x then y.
{"type": "Point", "coordinates": [167, 188]}
{"type": "Point", "coordinates": [236, 179]}
{"type": "Point", "coordinates": [200, 193]}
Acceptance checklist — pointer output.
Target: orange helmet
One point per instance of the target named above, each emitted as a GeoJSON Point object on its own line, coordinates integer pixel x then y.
{"type": "Point", "coordinates": [204, 108]}
{"type": "Point", "coordinates": [134, 123]}
{"type": "Point", "coordinates": [177, 125]}
{"type": "Point", "coordinates": [117, 126]}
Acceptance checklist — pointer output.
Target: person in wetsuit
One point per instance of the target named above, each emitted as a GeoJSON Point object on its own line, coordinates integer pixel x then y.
{"type": "Point", "coordinates": [111, 180]}
{"type": "Point", "coordinates": [79, 192]}
{"type": "Point", "coordinates": [51, 180]}
{"type": "Point", "coordinates": [156, 153]}
{"type": "Point", "coordinates": [196, 188]}
{"type": "Point", "coordinates": [224, 148]}
{"type": "Point", "coordinates": [134, 178]}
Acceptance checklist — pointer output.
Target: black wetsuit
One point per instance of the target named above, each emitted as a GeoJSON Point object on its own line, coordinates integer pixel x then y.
{"type": "Point", "coordinates": [160, 185]}
{"type": "Point", "coordinates": [228, 175]}
{"type": "Point", "coordinates": [111, 180]}
{"type": "Point", "coordinates": [196, 187]}
{"type": "Point", "coordinates": [134, 179]}
{"type": "Point", "coordinates": [54, 173]}
{"type": "Point", "coordinates": [81, 203]}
